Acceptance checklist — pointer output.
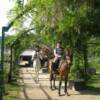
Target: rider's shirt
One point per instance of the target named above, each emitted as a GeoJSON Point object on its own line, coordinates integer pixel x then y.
{"type": "Point", "coordinates": [58, 52]}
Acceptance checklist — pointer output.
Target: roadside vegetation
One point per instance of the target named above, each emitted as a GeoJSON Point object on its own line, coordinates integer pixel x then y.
{"type": "Point", "coordinates": [75, 22]}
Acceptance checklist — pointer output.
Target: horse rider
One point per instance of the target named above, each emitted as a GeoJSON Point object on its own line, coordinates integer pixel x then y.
{"type": "Point", "coordinates": [58, 55]}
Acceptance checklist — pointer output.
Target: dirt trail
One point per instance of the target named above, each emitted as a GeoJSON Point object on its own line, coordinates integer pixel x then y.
{"type": "Point", "coordinates": [30, 90]}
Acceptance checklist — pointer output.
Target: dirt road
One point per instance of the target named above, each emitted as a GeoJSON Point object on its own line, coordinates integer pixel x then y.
{"type": "Point", "coordinates": [30, 90]}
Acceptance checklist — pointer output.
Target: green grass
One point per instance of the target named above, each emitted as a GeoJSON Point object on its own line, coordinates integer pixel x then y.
{"type": "Point", "coordinates": [13, 91]}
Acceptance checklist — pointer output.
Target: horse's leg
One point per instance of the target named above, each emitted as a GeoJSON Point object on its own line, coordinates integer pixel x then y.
{"type": "Point", "coordinates": [37, 76]}
{"type": "Point", "coordinates": [60, 82]}
{"type": "Point", "coordinates": [65, 90]}
{"type": "Point", "coordinates": [51, 78]}
{"type": "Point", "coordinates": [54, 78]}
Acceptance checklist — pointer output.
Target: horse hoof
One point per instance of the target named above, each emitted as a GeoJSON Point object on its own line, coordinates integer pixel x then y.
{"type": "Point", "coordinates": [51, 88]}
{"type": "Point", "coordinates": [67, 94]}
{"type": "Point", "coordinates": [55, 87]}
{"type": "Point", "coordinates": [59, 94]}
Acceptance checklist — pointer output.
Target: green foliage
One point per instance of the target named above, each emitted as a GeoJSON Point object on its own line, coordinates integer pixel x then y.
{"type": "Point", "coordinates": [94, 81]}
{"type": "Point", "coordinates": [13, 90]}
{"type": "Point", "coordinates": [9, 40]}
{"type": "Point", "coordinates": [74, 22]}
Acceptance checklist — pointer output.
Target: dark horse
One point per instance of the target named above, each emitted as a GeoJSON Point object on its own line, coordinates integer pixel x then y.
{"type": "Point", "coordinates": [63, 71]}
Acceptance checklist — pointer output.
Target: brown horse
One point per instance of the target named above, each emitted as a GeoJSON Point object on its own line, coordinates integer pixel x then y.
{"type": "Point", "coordinates": [63, 71]}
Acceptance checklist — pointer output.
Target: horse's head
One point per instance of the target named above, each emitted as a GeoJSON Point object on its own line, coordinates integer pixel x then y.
{"type": "Point", "coordinates": [68, 55]}
{"type": "Point", "coordinates": [47, 51]}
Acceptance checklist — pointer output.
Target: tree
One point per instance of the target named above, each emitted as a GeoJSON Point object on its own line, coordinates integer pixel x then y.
{"type": "Point", "coordinates": [75, 22]}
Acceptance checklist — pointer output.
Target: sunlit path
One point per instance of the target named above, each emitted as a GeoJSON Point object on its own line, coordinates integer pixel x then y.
{"type": "Point", "coordinates": [30, 90]}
